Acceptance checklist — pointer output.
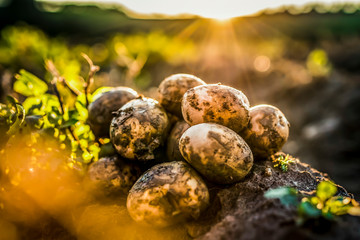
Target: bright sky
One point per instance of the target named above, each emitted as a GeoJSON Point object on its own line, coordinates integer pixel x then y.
{"type": "Point", "coordinates": [220, 9]}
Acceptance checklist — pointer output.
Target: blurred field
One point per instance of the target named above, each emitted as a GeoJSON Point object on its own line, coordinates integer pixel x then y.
{"type": "Point", "coordinates": [305, 61]}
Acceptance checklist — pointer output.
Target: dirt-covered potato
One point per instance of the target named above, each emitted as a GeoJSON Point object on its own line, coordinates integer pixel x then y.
{"type": "Point", "coordinates": [100, 111]}
{"type": "Point", "coordinates": [268, 130]}
{"type": "Point", "coordinates": [112, 175]}
{"type": "Point", "coordinates": [217, 104]}
{"type": "Point", "coordinates": [138, 128]}
{"type": "Point", "coordinates": [217, 152]}
{"type": "Point", "coordinates": [173, 88]}
{"type": "Point", "coordinates": [166, 194]}
{"type": "Point", "coordinates": [172, 147]}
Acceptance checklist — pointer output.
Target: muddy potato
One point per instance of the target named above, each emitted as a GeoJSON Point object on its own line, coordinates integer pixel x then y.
{"type": "Point", "coordinates": [139, 128]}
{"type": "Point", "coordinates": [172, 89]}
{"type": "Point", "coordinates": [268, 130]}
{"type": "Point", "coordinates": [166, 194]}
{"type": "Point", "coordinates": [172, 147]}
{"type": "Point", "coordinates": [100, 111]}
{"type": "Point", "coordinates": [217, 104]}
{"type": "Point", "coordinates": [112, 175]}
{"type": "Point", "coordinates": [217, 152]}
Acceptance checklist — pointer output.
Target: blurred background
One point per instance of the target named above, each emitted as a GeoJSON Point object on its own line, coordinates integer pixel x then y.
{"type": "Point", "coordinates": [304, 59]}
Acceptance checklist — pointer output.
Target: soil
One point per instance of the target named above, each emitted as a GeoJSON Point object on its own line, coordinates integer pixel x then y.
{"type": "Point", "coordinates": [243, 212]}
{"type": "Point", "coordinates": [238, 211]}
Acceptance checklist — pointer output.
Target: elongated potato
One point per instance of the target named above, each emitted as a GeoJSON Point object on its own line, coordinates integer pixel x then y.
{"type": "Point", "coordinates": [166, 194]}
{"type": "Point", "coordinates": [217, 152]}
{"type": "Point", "coordinates": [139, 128]}
{"type": "Point", "coordinates": [216, 104]}
{"type": "Point", "coordinates": [173, 88]}
{"type": "Point", "coordinates": [100, 111]}
{"type": "Point", "coordinates": [268, 130]}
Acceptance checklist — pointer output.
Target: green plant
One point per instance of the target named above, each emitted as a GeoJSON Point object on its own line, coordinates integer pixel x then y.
{"type": "Point", "coordinates": [56, 108]}
{"type": "Point", "coordinates": [323, 204]}
{"type": "Point", "coordinates": [130, 56]}
{"type": "Point", "coordinates": [282, 161]}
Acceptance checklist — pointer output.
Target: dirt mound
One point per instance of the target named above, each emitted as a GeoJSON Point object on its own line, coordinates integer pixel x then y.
{"type": "Point", "coordinates": [241, 211]}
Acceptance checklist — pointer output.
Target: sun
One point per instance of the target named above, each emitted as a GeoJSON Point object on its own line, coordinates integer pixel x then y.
{"type": "Point", "coordinates": [218, 16]}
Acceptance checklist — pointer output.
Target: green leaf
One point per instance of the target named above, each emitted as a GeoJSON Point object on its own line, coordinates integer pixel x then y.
{"type": "Point", "coordinates": [68, 123]}
{"type": "Point", "coordinates": [95, 150]}
{"type": "Point", "coordinates": [286, 195]}
{"type": "Point", "coordinates": [54, 118]}
{"type": "Point", "coordinates": [7, 116]}
{"type": "Point", "coordinates": [307, 209]}
{"type": "Point", "coordinates": [20, 117]}
{"type": "Point", "coordinates": [325, 190]}
{"type": "Point", "coordinates": [81, 99]}
{"type": "Point", "coordinates": [73, 114]}
{"type": "Point", "coordinates": [97, 93]}
{"type": "Point", "coordinates": [28, 84]}
{"type": "Point", "coordinates": [80, 106]}
{"type": "Point", "coordinates": [337, 206]}
{"type": "Point", "coordinates": [86, 156]}
{"type": "Point", "coordinates": [13, 102]}
{"type": "Point", "coordinates": [33, 105]}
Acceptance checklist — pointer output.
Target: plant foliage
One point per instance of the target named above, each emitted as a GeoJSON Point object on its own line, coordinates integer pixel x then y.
{"type": "Point", "coordinates": [282, 161]}
{"type": "Point", "coordinates": [325, 203]}
{"type": "Point", "coordinates": [55, 108]}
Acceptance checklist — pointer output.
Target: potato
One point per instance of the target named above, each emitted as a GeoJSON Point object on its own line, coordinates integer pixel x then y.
{"type": "Point", "coordinates": [268, 130]}
{"type": "Point", "coordinates": [139, 128]}
{"type": "Point", "coordinates": [217, 104]}
{"type": "Point", "coordinates": [166, 194]}
{"type": "Point", "coordinates": [100, 110]}
{"type": "Point", "coordinates": [112, 175]}
{"type": "Point", "coordinates": [217, 152]}
{"type": "Point", "coordinates": [172, 89]}
{"type": "Point", "coordinates": [172, 147]}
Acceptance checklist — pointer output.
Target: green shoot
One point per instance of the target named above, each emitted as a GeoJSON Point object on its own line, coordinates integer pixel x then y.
{"type": "Point", "coordinates": [282, 161]}
{"type": "Point", "coordinates": [324, 204]}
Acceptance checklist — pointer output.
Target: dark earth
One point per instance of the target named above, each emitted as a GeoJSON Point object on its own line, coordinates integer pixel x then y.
{"type": "Point", "coordinates": [238, 211]}
{"type": "Point", "coordinates": [241, 211]}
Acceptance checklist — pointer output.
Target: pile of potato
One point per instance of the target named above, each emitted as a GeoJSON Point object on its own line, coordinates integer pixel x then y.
{"type": "Point", "coordinates": [214, 138]}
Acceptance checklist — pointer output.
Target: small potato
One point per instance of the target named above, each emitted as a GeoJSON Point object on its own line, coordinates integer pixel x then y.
{"type": "Point", "coordinates": [217, 152]}
{"type": "Point", "coordinates": [166, 194]}
{"type": "Point", "coordinates": [172, 147]}
{"type": "Point", "coordinates": [268, 130]}
{"type": "Point", "coordinates": [100, 111]}
{"type": "Point", "coordinates": [173, 88]}
{"type": "Point", "coordinates": [112, 175]}
{"type": "Point", "coordinates": [217, 104]}
{"type": "Point", "coordinates": [139, 128]}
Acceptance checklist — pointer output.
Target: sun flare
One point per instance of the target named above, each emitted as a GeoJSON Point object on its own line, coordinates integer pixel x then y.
{"type": "Point", "coordinates": [216, 9]}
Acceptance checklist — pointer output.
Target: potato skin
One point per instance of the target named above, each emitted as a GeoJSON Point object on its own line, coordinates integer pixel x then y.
{"type": "Point", "coordinates": [268, 130]}
{"type": "Point", "coordinates": [100, 110]}
{"type": "Point", "coordinates": [166, 194]}
{"type": "Point", "coordinates": [138, 128]}
{"type": "Point", "coordinates": [172, 89]}
{"type": "Point", "coordinates": [172, 146]}
{"type": "Point", "coordinates": [112, 175]}
{"type": "Point", "coordinates": [217, 152]}
{"type": "Point", "coordinates": [216, 104]}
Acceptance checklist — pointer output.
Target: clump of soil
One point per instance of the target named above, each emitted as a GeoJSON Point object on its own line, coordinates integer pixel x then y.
{"type": "Point", "coordinates": [241, 211]}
